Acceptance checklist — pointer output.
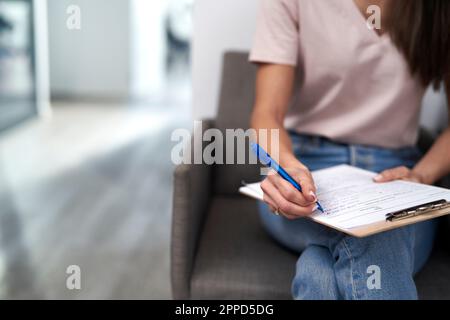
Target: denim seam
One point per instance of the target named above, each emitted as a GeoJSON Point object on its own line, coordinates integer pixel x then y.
{"type": "Point", "coordinates": [354, 289]}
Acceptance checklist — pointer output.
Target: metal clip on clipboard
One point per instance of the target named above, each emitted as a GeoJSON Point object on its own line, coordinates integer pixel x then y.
{"type": "Point", "coordinates": [418, 210]}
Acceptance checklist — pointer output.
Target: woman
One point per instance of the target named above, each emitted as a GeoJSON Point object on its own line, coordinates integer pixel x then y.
{"type": "Point", "coordinates": [357, 102]}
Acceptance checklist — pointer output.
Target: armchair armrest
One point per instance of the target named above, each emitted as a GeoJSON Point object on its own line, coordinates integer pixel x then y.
{"type": "Point", "coordinates": [192, 192]}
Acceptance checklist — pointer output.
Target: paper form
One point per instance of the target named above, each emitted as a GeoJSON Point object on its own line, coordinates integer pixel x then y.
{"type": "Point", "coordinates": [351, 199]}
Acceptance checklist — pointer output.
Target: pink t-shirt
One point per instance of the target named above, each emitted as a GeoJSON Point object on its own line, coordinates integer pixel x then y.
{"type": "Point", "coordinates": [355, 86]}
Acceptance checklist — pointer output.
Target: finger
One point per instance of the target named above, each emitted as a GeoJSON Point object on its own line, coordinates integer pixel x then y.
{"type": "Point", "coordinates": [304, 178]}
{"type": "Point", "coordinates": [266, 196]}
{"type": "Point", "coordinates": [411, 178]}
{"type": "Point", "coordinates": [392, 174]}
{"type": "Point", "coordinates": [269, 201]}
{"type": "Point", "coordinates": [286, 207]}
{"type": "Point", "coordinates": [306, 181]}
{"type": "Point", "coordinates": [274, 209]}
{"type": "Point", "coordinates": [290, 193]}
{"type": "Point", "coordinates": [279, 212]}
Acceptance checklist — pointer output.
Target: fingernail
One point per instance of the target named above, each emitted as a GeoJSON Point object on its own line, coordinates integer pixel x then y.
{"type": "Point", "coordinates": [378, 177]}
{"type": "Point", "coordinates": [313, 195]}
{"type": "Point", "coordinates": [315, 208]}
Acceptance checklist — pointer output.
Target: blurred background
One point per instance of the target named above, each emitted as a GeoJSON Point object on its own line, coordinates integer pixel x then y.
{"type": "Point", "coordinates": [90, 91]}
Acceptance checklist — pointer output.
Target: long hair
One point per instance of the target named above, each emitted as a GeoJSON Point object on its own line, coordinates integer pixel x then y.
{"type": "Point", "coordinates": [421, 30]}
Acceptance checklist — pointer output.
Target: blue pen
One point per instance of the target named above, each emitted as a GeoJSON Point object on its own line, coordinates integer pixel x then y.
{"type": "Point", "coordinates": [265, 158]}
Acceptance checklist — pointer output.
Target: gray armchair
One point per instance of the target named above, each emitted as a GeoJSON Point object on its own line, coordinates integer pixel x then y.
{"type": "Point", "coordinates": [219, 249]}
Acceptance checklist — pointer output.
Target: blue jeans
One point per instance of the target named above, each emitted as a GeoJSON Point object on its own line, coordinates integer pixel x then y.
{"type": "Point", "coordinates": [333, 265]}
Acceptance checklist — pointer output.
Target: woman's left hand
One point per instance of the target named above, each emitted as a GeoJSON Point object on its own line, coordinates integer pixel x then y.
{"type": "Point", "coordinates": [399, 173]}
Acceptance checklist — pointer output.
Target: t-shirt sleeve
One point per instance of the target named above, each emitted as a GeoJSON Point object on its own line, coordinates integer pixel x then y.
{"type": "Point", "coordinates": [276, 38]}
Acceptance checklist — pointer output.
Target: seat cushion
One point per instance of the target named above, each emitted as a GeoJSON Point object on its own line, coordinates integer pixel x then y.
{"type": "Point", "coordinates": [433, 282]}
{"type": "Point", "coordinates": [236, 259]}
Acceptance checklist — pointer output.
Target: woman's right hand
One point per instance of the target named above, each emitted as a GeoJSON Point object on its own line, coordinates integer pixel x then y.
{"type": "Point", "coordinates": [283, 198]}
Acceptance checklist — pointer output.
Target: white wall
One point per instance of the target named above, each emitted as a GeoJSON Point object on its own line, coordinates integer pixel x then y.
{"type": "Point", "coordinates": [148, 48]}
{"type": "Point", "coordinates": [93, 61]}
{"type": "Point", "coordinates": [42, 65]}
{"type": "Point", "coordinates": [218, 26]}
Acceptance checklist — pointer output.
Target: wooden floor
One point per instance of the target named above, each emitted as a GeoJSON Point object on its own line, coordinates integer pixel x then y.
{"type": "Point", "coordinates": [90, 187]}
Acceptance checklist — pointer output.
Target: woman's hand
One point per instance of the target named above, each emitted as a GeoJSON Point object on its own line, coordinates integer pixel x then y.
{"type": "Point", "coordinates": [283, 198]}
{"type": "Point", "coordinates": [399, 173]}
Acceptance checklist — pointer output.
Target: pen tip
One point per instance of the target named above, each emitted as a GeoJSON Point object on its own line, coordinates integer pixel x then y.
{"type": "Point", "coordinates": [320, 208]}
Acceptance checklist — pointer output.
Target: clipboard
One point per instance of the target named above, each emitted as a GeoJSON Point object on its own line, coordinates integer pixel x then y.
{"type": "Point", "coordinates": [427, 213]}
{"type": "Point", "coordinates": [410, 216]}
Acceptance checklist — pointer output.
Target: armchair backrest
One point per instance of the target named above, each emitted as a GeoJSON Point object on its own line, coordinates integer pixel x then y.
{"type": "Point", "coordinates": [235, 107]}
